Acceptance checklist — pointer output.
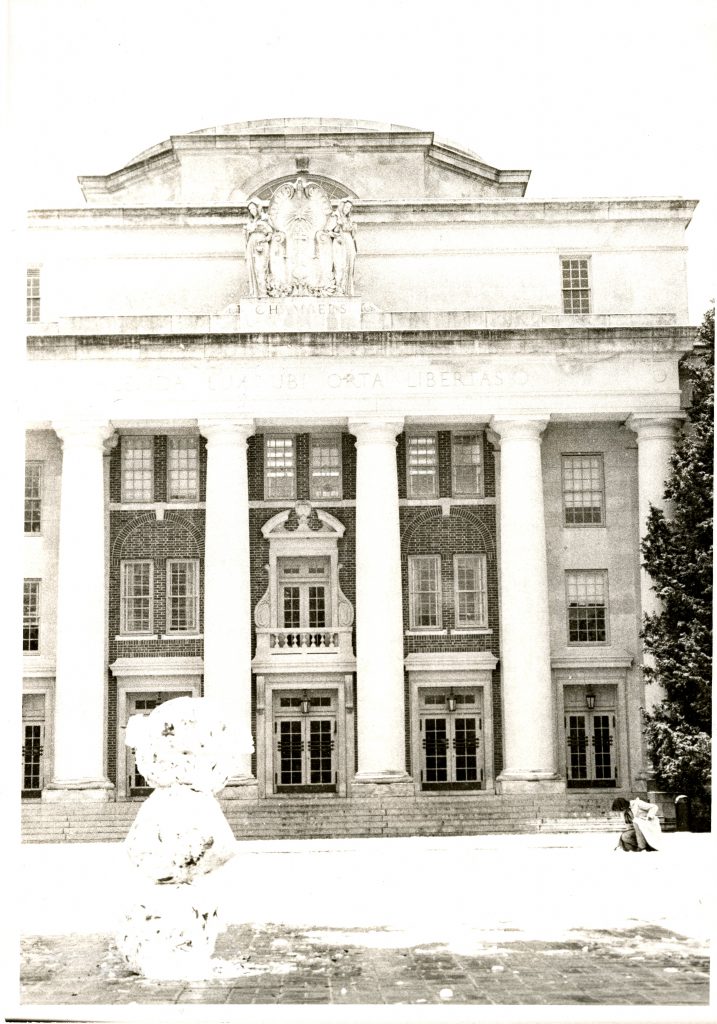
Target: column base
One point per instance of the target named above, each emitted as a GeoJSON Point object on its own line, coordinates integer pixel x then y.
{"type": "Point", "coordinates": [242, 788]}
{"type": "Point", "coordinates": [97, 790]}
{"type": "Point", "coordinates": [529, 782]}
{"type": "Point", "coordinates": [373, 784]}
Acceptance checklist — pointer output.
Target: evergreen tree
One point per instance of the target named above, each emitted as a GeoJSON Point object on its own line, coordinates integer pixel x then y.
{"type": "Point", "coordinates": [678, 556]}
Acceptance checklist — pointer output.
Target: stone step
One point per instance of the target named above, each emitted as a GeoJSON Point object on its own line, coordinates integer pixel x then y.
{"type": "Point", "coordinates": [317, 817]}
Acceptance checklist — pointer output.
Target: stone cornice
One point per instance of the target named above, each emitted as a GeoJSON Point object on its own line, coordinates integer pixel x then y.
{"type": "Point", "coordinates": [555, 341]}
{"type": "Point", "coordinates": [393, 210]}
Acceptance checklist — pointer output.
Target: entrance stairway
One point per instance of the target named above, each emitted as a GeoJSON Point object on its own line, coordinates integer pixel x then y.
{"type": "Point", "coordinates": [318, 818]}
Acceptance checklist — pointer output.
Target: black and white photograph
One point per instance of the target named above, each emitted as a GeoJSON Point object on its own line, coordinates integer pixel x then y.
{"type": "Point", "coordinates": [360, 433]}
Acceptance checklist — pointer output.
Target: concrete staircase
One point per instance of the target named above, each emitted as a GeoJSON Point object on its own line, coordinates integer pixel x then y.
{"type": "Point", "coordinates": [317, 817]}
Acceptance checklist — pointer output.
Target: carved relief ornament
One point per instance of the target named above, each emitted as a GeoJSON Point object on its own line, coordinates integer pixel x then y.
{"type": "Point", "coordinates": [300, 244]}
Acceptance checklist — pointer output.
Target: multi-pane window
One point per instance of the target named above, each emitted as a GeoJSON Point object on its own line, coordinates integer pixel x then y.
{"type": "Point", "coordinates": [280, 467]}
{"type": "Point", "coordinates": [424, 584]}
{"type": "Point", "coordinates": [302, 593]}
{"type": "Point", "coordinates": [182, 468]}
{"type": "Point", "coordinates": [33, 295]}
{"type": "Point", "coordinates": [587, 606]}
{"type": "Point", "coordinates": [136, 579]}
{"type": "Point", "coordinates": [137, 460]}
{"type": "Point", "coordinates": [33, 497]}
{"type": "Point", "coordinates": [183, 596]}
{"type": "Point", "coordinates": [422, 462]}
{"type": "Point", "coordinates": [325, 467]}
{"type": "Point", "coordinates": [467, 461]}
{"type": "Point", "coordinates": [583, 490]}
{"type": "Point", "coordinates": [470, 589]}
{"type": "Point", "coordinates": [31, 616]}
{"type": "Point", "coordinates": [576, 285]}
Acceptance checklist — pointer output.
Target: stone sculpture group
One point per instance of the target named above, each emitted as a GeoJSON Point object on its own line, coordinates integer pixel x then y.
{"type": "Point", "coordinates": [300, 244]}
{"type": "Point", "coordinates": [179, 837]}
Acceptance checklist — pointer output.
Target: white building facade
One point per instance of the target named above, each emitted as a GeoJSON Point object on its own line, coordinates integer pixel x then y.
{"type": "Point", "coordinates": [329, 422]}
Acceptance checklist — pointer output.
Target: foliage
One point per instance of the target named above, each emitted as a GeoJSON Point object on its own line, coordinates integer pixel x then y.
{"type": "Point", "coordinates": [677, 554]}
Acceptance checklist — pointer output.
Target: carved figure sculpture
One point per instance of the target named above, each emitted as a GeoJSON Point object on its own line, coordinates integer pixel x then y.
{"type": "Point", "coordinates": [259, 232]}
{"type": "Point", "coordinates": [343, 233]}
{"type": "Point", "coordinates": [300, 245]}
{"type": "Point", "coordinates": [179, 837]}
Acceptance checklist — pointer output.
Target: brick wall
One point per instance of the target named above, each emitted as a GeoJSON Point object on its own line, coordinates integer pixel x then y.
{"type": "Point", "coordinates": [140, 535]}
{"type": "Point", "coordinates": [467, 529]}
{"type": "Point", "coordinates": [424, 529]}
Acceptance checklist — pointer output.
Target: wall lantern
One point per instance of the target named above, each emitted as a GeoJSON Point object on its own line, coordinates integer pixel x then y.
{"type": "Point", "coordinates": [451, 701]}
{"type": "Point", "coordinates": [305, 703]}
{"type": "Point", "coordinates": [590, 700]}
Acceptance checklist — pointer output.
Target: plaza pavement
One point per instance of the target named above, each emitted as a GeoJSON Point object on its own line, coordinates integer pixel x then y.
{"type": "Point", "coordinates": [440, 926]}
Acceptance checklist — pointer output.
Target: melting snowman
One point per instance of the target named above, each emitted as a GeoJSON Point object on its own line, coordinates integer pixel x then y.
{"type": "Point", "coordinates": [179, 837]}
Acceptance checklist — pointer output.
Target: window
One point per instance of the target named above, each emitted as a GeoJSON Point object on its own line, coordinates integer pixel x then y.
{"type": "Point", "coordinates": [182, 468]}
{"type": "Point", "coordinates": [31, 616]}
{"type": "Point", "coordinates": [576, 288]}
{"type": "Point", "coordinates": [587, 606]}
{"type": "Point", "coordinates": [303, 593]}
{"type": "Point", "coordinates": [33, 497]}
{"type": "Point", "coordinates": [183, 596]}
{"type": "Point", "coordinates": [467, 463]}
{"type": "Point", "coordinates": [137, 463]}
{"type": "Point", "coordinates": [424, 585]}
{"type": "Point", "coordinates": [280, 467]}
{"type": "Point", "coordinates": [33, 295]}
{"type": "Point", "coordinates": [422, 459]}
{"type": "Point", "coordinates": [326, 467]}
{"type": "Point", "coordinates": [469, 585]}
{"type": "Point", "coordinates": [136, 597]}
{"type": "Point", "coordinates": [583, 490]}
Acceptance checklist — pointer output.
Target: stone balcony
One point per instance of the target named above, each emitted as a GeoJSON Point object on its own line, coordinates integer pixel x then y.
{"type": "Point", "coordinates": [295, 647]}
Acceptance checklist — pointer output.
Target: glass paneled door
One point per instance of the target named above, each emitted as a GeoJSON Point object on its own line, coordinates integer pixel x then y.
{"type": "Point", "coordinates": [305, 742]}
{"type": "Point", "coordinates": [142, 704]}
{"type": "Point", "coordinates": [33, 744]}
{"type": "Point", "coordinates": [590, 749]}
{"type": "Point", "coordinates": [451, 728]}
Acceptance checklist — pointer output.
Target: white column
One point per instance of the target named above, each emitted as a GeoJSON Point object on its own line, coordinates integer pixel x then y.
{"type": "Point", "coordinates": [655, 443]}
{"type": "Point", "coordinates": [81, 676]}
{"type": "Point", "coordinates": [379, 607]}
{"type": "Point", "coordinates": [529, 751]}
{"type": "Point", "coordinates": [227, 595]}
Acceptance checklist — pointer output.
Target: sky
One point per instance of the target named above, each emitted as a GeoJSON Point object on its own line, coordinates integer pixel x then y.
{"type": "Point", "coordinates": [615, 98]}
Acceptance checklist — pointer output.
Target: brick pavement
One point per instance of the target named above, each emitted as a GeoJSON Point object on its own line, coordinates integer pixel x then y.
{"type": "Point", "coordinates": [279, 965]}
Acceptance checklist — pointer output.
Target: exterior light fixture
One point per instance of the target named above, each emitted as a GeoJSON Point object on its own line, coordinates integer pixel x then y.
{"type": "Point", "coordinates": [451, 702]}
{"type": "Point", "coordinates": [304, 703]}
{"type": "Point", "coordinates": [590, 700]}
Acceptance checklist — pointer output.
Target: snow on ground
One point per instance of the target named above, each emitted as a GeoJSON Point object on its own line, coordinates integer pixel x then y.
{"type": "Point", "coordinates": [463, 892]}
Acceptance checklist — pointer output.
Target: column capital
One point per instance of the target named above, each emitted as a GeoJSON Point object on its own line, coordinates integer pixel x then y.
{"type": "Point", "coordinates": [83, 433]}
{"type": "Point", "coordinates": [376, 431]}
{"type": "Point", "coordinates": [654, 425]}
{"type": "Point", "coordinates": [520, 428]}
{"type": "Point", "coordinates": [227, 431]}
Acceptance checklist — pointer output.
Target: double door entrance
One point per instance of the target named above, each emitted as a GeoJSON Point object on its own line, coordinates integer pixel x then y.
{"type": "Point", "coordinates": [590, 749]}
{"type": "Point", "coordinates": [305, 742]}
{"type": "Point", "coordinates": [451, 739]}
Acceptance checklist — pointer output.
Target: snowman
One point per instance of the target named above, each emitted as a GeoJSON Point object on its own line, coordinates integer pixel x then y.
{"type": "Point", "coordinates": [179, 837]}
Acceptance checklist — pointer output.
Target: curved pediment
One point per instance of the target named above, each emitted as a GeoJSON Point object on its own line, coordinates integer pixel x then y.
{"type": "Point", "coordinates": [303, 520]}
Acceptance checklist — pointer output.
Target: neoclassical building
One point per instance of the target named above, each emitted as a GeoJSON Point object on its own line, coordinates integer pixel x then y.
{"type": "Point", "coordinates": [328, 421]}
